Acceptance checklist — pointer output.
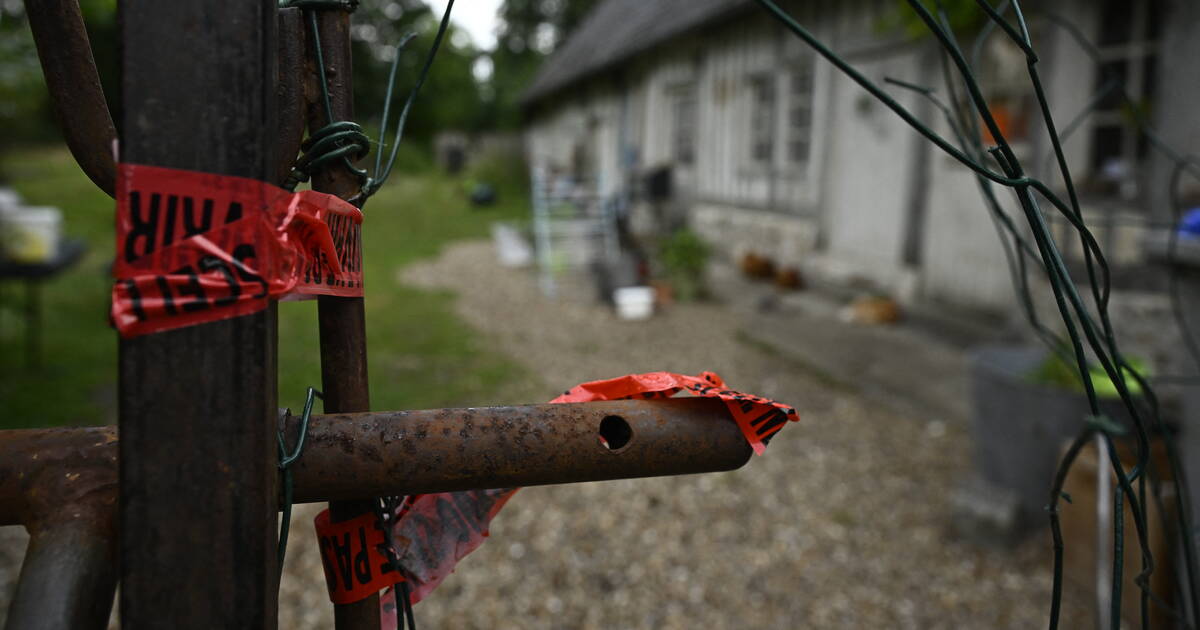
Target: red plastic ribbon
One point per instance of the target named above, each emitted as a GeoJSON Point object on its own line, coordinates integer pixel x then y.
{"type": "Point", "coordinates": [435, 531]}
{"type": "Point", "coordinates": [198, 247]}
{"type": "Point", "coordinates": [352, 553]}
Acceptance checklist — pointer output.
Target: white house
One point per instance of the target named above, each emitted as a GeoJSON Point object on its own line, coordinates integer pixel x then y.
{"type": "Point", "coordinates": [772, 150]}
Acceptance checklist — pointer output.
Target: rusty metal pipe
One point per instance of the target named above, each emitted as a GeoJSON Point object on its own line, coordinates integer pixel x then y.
{"type": "Point", "coordinates": [68, 578]}
{"type": "Point", "coordinates": [62, 485]}
{"type": "Point", "coordinates": [360, 455]}
{"type": "Point", "coordinates": [74, 85]}
{"type": "Point", "coordinates": [363, 455]}
{"type": "Point", "coordinates": [43, 470]}
{"type": "Point", "coordinates": [82, 110]}
{"type": "Point", "coordinates": [341, 320]}
{"type": "Point", "coordinates": [293, 104]}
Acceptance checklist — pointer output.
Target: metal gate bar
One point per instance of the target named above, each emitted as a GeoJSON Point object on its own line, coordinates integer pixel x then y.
{"type": "Point", "coordinates": [62, 483]}
{"type": "Point", "coordinates": [198, 455]}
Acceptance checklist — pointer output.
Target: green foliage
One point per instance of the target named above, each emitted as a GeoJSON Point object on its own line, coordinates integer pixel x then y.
{"type": "Point", "coordinates": [1054, 371]}
{"type": "Point", "coordinates": [964, 16]}
{"type": "Point", "coordinates": [684, 256]}
{"type": "Point", "coordinates": [25, 114]}
{"type": "Point", "coordinates": [506, 172]}
{"type": "Point", "coordinates": [420, 354]}
{"type": "Point", "coordinates": [684, 252]}
{"type": "Point", "coordinates": [23, 100]}
{"type": "Point", "coordinates": [450, 98]}
{"type": "Point", "coordinates": [529, 31]}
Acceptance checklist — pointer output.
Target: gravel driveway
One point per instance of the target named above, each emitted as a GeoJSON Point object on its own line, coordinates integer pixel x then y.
{"type": "Point", "coordinates": [842, 524]}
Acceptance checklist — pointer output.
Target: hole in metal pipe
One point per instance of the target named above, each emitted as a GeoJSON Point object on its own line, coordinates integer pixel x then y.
{"type": "Point", "coordinates": [615, 433]}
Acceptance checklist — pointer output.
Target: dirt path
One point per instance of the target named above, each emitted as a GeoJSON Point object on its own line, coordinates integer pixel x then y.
{"type": "Point", "coordinates": [840, 525]}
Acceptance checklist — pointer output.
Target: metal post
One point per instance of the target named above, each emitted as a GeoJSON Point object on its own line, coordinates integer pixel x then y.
{"type": "Point", "coordinates": [68, 576]}
{"type": "Point", "coordinates": [357, 455]}
{"type": "Point", "coordinates": [198, 475]}
{"type": "Point", "coordinates": [61, 484]}
{"type": "Point", "coordinates": [342, 321]}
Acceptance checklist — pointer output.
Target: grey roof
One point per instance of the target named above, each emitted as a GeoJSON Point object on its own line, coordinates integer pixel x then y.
{"type": "Point", "coordinates": [619, 29]}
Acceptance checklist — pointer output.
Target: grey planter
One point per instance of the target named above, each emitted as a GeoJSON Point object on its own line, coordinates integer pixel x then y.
{"type": "Point", "coordinates": [1019, 427]}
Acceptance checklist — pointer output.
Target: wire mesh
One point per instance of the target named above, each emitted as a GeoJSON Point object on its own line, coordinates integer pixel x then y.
{"type": "Point", "coordinates": [1089, 335]}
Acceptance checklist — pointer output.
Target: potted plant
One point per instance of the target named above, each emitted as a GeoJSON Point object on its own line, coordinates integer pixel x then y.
{"type": "Point", "coordinates": [683, 257]}
{"type": "Point", "coordinates": [1026, 403]}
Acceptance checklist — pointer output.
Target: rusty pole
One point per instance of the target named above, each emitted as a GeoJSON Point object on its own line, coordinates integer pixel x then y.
{"type": "Point", "coordinates": [67, 63]}
{"type": "Point", "coordinates": [439, 450]}
{"type": "Point", "coordinates": [48, 472]}
{"type": "Point", "coordinates": [342, 320]}
{"type": "Point", "coordinates": [198, 456]}
{"type": "Point", "coordinates": [62, 483]}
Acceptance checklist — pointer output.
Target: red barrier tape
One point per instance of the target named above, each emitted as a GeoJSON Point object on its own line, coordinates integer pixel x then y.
{"type": "Point", "coordinates": [435, 531]}
{"type": "Point", "coordinates": [352, 553]}
{"type": "Point", "coordinates": [198, 247]}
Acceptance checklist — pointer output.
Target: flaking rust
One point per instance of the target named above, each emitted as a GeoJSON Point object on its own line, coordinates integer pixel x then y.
{"type": "Point", "coordinates": [62, 483]}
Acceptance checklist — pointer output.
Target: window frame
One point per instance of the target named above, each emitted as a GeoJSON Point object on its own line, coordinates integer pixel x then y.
{"type": "Point", "coordinates": [1141, 48]}
{"type": "Point", "coordinates": [803, 66]}
{"type": "Point", "coordinates": [763, 126]}
{"type": "Point", "coordinates": [685, 125]}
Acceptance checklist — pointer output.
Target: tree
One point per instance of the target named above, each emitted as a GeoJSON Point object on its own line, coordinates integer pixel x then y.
{"type": "Point", "coordinates": [450, 98]}
{"type": "Point", "coordinates": [529, 31]}
{"type": "Point", "coordinates": [25, 113]}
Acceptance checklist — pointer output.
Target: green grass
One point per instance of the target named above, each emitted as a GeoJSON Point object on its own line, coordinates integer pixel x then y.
{"type": "Point", "coordinates": [420, 354]}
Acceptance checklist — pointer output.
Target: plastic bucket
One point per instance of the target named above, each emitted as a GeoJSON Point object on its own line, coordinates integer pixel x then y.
{"type": "Point", "coordinates": [634, 302]}
{"type": "Point", "coordinates": [31, 235]}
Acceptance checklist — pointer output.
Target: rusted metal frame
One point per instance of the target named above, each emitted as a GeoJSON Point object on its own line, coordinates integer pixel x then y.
{"type": "Point", "coordinates": [341, 320]}
{"type": "Point", "coordinates": [81, 109]}
{"type": "Point", "coordinates": [61, 484]}
{"type": "Point", "coordinates": [76, 94]}
{"type": "Point", "coordinates": [350, 456]}
{"type": "Point", "coordinates": [197, 408]}
{"type": "Point", "coordinates": [293, 103]}
{"type": "Point", "coordinates": [361, 455]}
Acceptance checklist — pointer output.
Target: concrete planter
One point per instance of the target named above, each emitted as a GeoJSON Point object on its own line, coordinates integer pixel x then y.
{"type": "Point", "coordinates": [1019, 427]}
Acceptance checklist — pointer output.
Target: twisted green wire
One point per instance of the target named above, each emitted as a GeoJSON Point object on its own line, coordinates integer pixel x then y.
{"type": "Point", "coordinates": [286, 459]}
{"type": "Point", "coordinates": [345, 141]}
{"type": "Point", "coordinates": [1069, 303]}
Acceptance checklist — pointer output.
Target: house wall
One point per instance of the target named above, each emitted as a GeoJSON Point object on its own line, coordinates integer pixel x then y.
{"type": "Point", "coordinates": [874, 201]}
{"type": "Point", "coordinates": [583, 126]}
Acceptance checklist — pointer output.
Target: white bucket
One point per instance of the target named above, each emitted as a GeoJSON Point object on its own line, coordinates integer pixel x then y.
{"type": "Point", "coordinates": [634, 302]}
{"type": "Point", "coordinates": [30, 235]}
{"type": "Point", "coordinates": [9, 200]}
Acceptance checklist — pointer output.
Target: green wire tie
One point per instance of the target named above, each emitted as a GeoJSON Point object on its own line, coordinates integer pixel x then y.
{"type": "Point", "coordinates": [286, 459]}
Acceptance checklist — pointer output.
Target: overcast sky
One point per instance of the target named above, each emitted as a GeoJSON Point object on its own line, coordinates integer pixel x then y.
{"type": "Point", "coordinates": [476, 17]}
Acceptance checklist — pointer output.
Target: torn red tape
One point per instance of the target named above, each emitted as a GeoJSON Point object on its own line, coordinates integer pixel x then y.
{"type": "Point", "coordinates": [433, 532]}
{"type": "Point", "coordinates": [759, 418]}
{"type": "Point", "coordinates": [198, 247]}
{"type": "Point", "coordinates": [352, 554]}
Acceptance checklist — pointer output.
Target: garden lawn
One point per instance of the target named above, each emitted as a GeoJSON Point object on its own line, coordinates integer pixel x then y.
{"type": "Point", "coordinates": [420, 354]}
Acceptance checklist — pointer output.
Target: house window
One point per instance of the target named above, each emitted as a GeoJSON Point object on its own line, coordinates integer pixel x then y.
{"type": "Point", "coordinates": [762, 119]}
{"type": "Point", "coordinates": [683, 125]}
{"type": "Point", "coordinates": [799, 122]}
{"type": "Point", "coordinates": [1128, 47]}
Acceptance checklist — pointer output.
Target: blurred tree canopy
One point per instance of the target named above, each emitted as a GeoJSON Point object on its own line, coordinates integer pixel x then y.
{"type": "Point", "coordinates": [451, 97]}
{"type": "Point", "coordinates": [468, 89]}
{"type": "Point", "coordinates": [529, 31]}
{"type": "Point", "coordinates": [25, 114]}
